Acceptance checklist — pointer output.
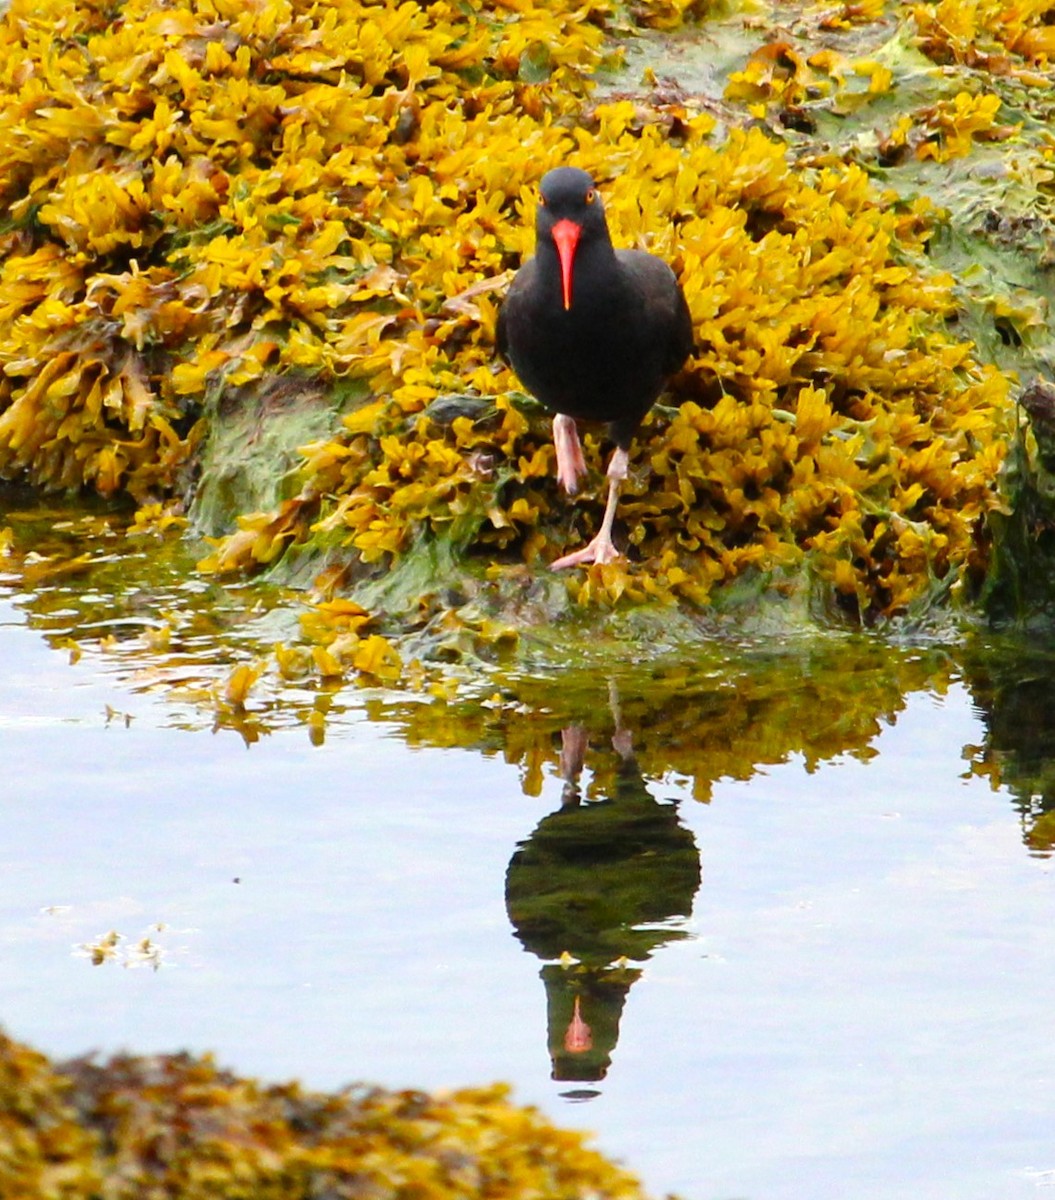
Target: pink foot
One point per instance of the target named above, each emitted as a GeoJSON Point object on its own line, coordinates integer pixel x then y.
{"type": "Point", "coordinates": [571, 466]}
{"type": "Point", "coordinates": [601, 550]}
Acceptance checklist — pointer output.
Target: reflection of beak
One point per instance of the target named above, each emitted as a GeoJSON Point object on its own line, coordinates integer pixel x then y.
{"type": "Point", "coordinates": [578, 1038]}
{"type": "Point", "coordinates": [566, 234]}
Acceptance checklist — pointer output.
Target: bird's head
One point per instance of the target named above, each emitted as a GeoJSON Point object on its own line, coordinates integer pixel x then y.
{"type": "Point", "coordinates": [569, 212]}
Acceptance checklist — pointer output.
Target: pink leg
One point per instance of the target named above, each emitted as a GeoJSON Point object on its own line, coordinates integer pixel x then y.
{"type": "Point", "coordinates": [571, 466]}
{"type": "Point", "coordinates": [573, 744]}
{"type": "Point", "coordinates": [602, 548]}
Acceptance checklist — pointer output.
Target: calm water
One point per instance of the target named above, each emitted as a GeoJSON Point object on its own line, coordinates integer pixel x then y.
{"type": "Point", "coordinates": [807, 894]}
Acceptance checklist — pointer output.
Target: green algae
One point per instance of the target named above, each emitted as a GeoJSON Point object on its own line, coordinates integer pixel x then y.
{"type": "Point", "coordinates": [248, 460]}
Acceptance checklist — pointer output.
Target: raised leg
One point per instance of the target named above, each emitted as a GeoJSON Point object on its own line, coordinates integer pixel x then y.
{"type": "Point", "coordinates": [571, 466]}
{"type": "Point", "coordinates": [602, 548]}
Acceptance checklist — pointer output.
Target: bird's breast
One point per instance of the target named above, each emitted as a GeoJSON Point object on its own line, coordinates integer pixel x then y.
{"type": "Point", "coordinates": [596, 358]}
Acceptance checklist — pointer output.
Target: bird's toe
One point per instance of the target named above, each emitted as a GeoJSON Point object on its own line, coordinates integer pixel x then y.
{"type": "Point", "coordinates": [600, 550]}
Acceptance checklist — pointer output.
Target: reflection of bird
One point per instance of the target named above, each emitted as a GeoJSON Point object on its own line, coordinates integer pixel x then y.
{"type": "Point", "coordinates": [593, 332]}
{"type": "Point", "coordinates": [599, 881]}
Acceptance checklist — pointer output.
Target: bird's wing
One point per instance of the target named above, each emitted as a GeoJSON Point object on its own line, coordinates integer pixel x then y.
{"type": "Point", "coordinates": [665, 304]}
{"type": "Point", "coordinates": [501, 334]}
{"type": "Point", "coordinates": [518, 289]}
{"type": "Point", "coordinates": [682, 340]}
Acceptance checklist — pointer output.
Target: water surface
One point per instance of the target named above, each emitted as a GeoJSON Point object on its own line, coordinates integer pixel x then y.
{"type": "Point", "coordinates": [779, 918]}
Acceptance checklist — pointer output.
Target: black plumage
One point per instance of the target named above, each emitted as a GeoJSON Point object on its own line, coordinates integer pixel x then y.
{"type": "Point", "coordinates": [593, 332]}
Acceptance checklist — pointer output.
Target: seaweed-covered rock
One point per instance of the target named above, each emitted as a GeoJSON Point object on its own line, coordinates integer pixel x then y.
{"type": "Point", "coordinates": [203, 197]}
{"type": "Point", "coordinates": [179, 1127]}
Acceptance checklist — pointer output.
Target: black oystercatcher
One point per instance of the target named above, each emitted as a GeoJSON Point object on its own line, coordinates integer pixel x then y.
{"type": "Point", "coordinates": [593, 332]}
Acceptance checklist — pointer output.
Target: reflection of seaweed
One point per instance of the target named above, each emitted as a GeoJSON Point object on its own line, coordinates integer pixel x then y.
{"type": "Point", "coordinates": [598, 883]}
{"type": "Point", "coordinates": [78, 576]}
{"type": "Point", "coordinates": [722, 712]}
{"type": "Point", "coordinates": [719, 710]}
{"type": "Point", "coordinates": [710, 711]}
{"type": "Point", "coordinates": [1015, 690]}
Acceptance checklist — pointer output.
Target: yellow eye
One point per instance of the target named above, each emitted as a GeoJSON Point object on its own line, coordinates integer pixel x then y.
{"type": "Point", "coordinates": [542, 199]}
{"type": "Point", "coordinates": [591, 195]}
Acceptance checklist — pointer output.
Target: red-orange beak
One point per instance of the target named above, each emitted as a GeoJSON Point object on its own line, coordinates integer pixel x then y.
{"type": "Point", "coordinates": [566, 234]}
